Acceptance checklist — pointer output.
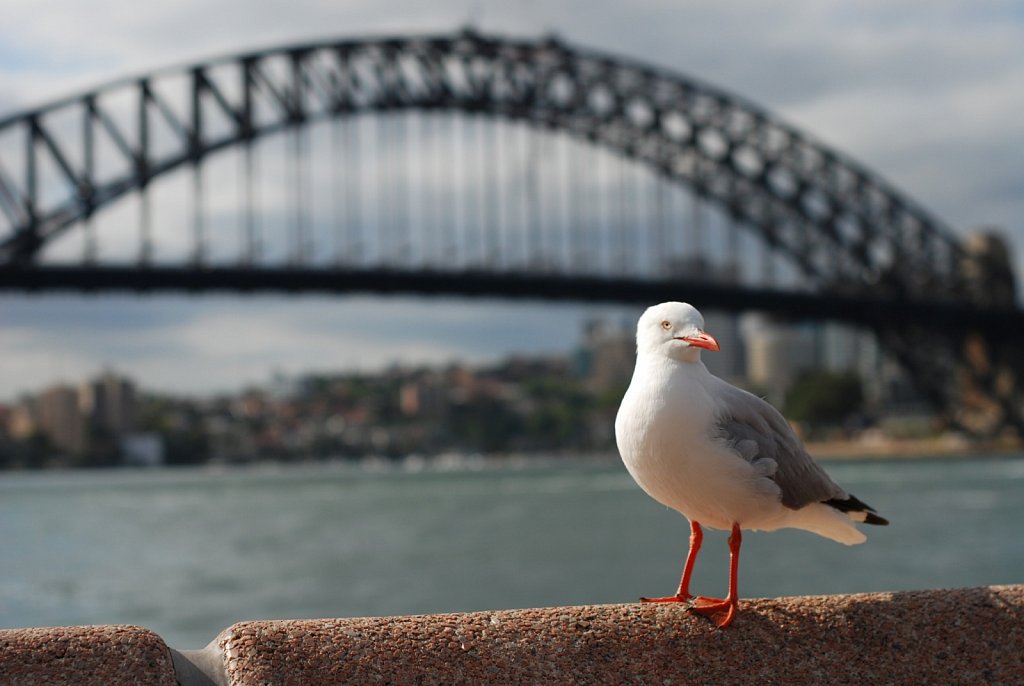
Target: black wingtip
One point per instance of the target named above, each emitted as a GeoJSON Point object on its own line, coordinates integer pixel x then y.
{"type": "Point", "coordinates": [872, 518]}
{"type": "Point", "coordinates": [854, 505]}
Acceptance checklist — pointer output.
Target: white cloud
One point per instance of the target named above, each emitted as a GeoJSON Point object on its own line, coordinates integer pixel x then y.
{"type": "Point", "coordinates": [221, 350]}
{"type": "Point", "coordinates": [952, 150]}
{"type": "Point", "coordinates": [203, 345]}
{"type": "Point", "coordinates": [30, 360]}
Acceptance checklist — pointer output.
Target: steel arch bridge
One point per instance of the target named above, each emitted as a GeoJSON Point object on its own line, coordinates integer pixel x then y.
{"type": "Point", "coordinates": [867, 253]}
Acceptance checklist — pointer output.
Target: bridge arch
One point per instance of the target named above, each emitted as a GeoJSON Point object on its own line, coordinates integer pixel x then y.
{"type": "Point", "coordinates": [845, 227]}
{"type": "Point", "coordinates": [849, 232]}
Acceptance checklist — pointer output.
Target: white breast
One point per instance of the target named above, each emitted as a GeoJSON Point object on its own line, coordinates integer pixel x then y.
{"type": "Point", "coordinates": [663, 430]}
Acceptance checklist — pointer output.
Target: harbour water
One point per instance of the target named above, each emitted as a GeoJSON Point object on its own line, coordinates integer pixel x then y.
{"type": "Point", "coordinates": [189, 552]}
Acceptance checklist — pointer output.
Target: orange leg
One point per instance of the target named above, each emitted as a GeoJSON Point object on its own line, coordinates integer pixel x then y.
{"type": "Point", "coordinates": [683, 594]}
{"type": "Point", "coordinates": [723, 611]}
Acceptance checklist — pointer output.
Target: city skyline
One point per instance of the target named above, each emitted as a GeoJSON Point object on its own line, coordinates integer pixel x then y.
{"type": "Point", "coordinates": [759, 349]}
{"type": "Point", "coordinates": [929, 100]}
{"type": "Point", "coordinates": [554, 402]}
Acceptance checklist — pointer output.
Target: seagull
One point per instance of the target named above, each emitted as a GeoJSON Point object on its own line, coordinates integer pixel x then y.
{"type": "Point", "coordinates": [719, 455]}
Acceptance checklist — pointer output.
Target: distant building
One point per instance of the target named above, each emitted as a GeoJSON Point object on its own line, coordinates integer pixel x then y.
{"type": "Point", "coordinates": [59, 418]}
{"type": "Point", "coordinates": [23, 420]}
{"type": "Point", "coordinates": [424, 398]}
{"type": "Point", "coordinates": [607, 355]}
{"type": "Point", "coordinates": [109, 403]}
{"type": "Point", "coordinates": [462, 383]}
{"type": "Point", "coordinates": [70, 417]}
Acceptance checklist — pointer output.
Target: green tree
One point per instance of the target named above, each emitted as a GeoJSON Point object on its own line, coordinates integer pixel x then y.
{"type": "Point", "coordinates": [181, 425]}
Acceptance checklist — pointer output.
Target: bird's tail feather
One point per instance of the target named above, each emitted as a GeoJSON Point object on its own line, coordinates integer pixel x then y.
{"type": "Point", "coordinates": [828, 522]}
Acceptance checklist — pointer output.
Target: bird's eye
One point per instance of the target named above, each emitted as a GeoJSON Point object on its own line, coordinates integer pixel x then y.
{"type": "Point", "coordinates": [666, 324]}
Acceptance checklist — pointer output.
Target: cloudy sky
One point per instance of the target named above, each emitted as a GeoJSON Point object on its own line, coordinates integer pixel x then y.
{"type": "Point", "coordinates": [929, 95]}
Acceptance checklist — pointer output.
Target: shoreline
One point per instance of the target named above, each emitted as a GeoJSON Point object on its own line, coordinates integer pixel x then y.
{"type": "Point", "coordinates": [948, 447]}
{"type": "Point", "coordinates": [910, 449]}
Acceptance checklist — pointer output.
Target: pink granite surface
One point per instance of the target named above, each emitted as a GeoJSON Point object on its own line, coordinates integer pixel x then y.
{"type": "Point", "coordinates": [84, 655]}
{"type": "Point", "coordinates": [966, 636]}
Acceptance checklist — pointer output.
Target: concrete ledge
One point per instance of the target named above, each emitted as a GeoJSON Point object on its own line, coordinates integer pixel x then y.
{"type": "Point", "coordinates": [973, 636]}
{"type": "Point", "coordinates": [101, 655]}
{"type": "Point", "coordinates": [964, 636]}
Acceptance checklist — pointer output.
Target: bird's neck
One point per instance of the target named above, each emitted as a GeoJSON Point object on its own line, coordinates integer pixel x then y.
{"type": "Point", "coordinates": [690, 356]}
{"type": "Point", "coordinates": [687, 363]}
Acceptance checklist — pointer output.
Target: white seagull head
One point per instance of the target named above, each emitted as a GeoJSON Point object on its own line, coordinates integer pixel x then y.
{"type": "Point", "coordinates": [674, 330]}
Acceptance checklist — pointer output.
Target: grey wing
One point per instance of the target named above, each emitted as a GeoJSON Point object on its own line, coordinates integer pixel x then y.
{"type": "Point", "coordinates": [762, 436]}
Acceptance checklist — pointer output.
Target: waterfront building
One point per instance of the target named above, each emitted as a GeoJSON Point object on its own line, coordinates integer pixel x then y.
{"type": "Point", "coordinates": [23, 420]}
{"type": "Point", "coordinates": [607, 355]}
{"type": "Point", "coordinates": [59, 418]}
{"type": "Point", "coordinates": [109, 403]}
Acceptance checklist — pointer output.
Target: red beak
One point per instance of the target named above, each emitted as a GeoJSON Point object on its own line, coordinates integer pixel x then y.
{"type": "Point", "coordinates": [702, 340]}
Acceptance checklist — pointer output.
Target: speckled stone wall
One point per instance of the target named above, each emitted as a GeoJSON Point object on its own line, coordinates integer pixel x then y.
{"type": "Point", "coordinates": [84, 655]}
{"type": "Point", "coordinates": [957, 637]}
{"type": "Point", "coordinates": [964, 636]}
